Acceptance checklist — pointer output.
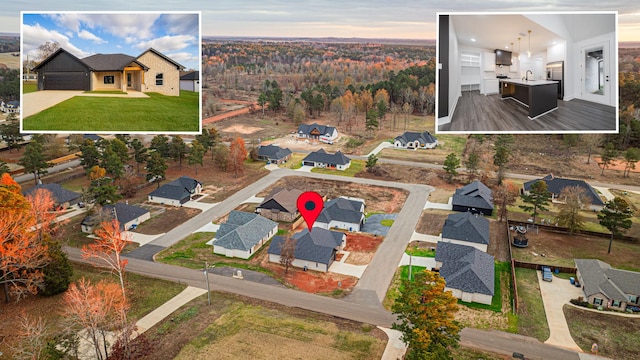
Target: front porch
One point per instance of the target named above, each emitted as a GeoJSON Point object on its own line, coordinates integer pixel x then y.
{"type": "Point", "coordinates": [130, 79]}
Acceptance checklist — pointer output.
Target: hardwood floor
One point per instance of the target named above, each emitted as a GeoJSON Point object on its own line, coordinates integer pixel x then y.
{"type": "Point", "coordinates": [489, 113]}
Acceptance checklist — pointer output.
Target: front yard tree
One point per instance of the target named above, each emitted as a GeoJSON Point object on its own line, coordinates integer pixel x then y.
{"type": "Point", "coordinates": [574, 199]}
{"type": "Point", "coordinates": [426, 315]}
{"type": "Point", "coordinates": [287, 253]}
{"type": "Point", "coordinates": [616, 217]}
{"type": "Point", "coordinates": [156, 167]}
{"type": "Point", "coordinates": [537, 199]}
{"type": "Point", "coordinates": [178, 149]}
{"type": "Point", "coordinates": [450, 166]}
{"type": "Point", "coordinates": [34, 161]}
{"type": "Point", "coordinates": [504, 196]}
{"type": "Point", "coordinates": [140, 153]}
{"type": "Point", "coordinates": [372, 160]}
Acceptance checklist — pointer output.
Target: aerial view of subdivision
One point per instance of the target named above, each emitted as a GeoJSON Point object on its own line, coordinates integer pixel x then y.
{"type": "Point", "coordinates": [110, 72]}
{"type": "Point", "coordinates": [528, 73]}
{"type": "Point", "coordinates": [320, 209]}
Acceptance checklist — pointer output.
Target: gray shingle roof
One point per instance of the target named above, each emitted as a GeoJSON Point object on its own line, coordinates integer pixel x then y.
{"type": "Point", "coordinates": [555, 185]}
{"type": "Point", "coordinates": [124, 212]}
{"type": "Point", "coordinates": [178, 189]}
{"type": "Point", "coordinates": [318, 245]}
{"type": "Point", "coordinates": [243, 230]}
{"type": "Point", "coordinates": [466, 268]}
{"type": "Point", "coordinates": [322, 156]}
{"type": "Point", "coordinates": [474, 195]}
{"type": "Point", "coordinates": [282, 200]}
{"type": "Point", "coordinates": [273, 152]}
{"type": "Point", "coordinates": [341, 209]}
{"type": "Point", "coordinates": [466, 227]}
{"type": "Point", "coordinates": [190, 75]}
{"type": "Point", "coordinates": [110, 62]}
{"type": "Point", "coordinates": [423, 138]}
{"type": "Point", "coordinates": [322, 129]}
{"type": "Point", "coordinates": [600, 277]}
{"type": "Point", "coordinates": [59, 194]}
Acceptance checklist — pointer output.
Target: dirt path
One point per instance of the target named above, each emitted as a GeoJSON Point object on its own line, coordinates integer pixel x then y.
{"type": "Point", "coordinates": [233, 113]}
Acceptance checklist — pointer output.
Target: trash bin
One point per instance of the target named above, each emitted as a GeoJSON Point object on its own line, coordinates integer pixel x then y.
{"type": "Point", "coordinates": [572, 280]}
{"type": "Point", "coordinates": [557, 271]}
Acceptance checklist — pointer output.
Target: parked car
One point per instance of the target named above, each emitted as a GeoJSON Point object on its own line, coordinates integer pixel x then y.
{"type": "Point", "coordinates": [546, 274]}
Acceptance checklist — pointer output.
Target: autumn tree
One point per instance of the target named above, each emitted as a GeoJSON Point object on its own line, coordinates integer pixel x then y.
{"type": "Point", "coordinates": [426, 315]}
{"type": "Point", "coordinates": [23, 254]}
{"type": "Point", "coordinates": [33, 333]}
{"type": "Point", "coordinates": [34, 161]}
{"type": "Point", "coordinates": [537, 199]}
{"type": "Point", "coordinates": [504, 196]}
{"type": "Point", "coordinates": [287, 253]}
{"type": "Point", "coordinates": [616, 217]}
{"type": "Point", "coordinates": [451, 165]}
{"type": "Point", "coordinates": [237, 156]}
{"type": "Point", "coordinates": [574, 199]}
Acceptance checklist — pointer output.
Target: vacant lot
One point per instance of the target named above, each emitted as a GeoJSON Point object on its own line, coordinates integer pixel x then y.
{"type": "Point", "coordinates": [90, 114]}
{"type": "Point", "coordinates": [169, 219]}
{"type": "Point", "coordinates": [235, 327]}
{"type": "Point", "coordinates": [560, 249]}
{"type": "Point", "coordinates": [8, 58]}
{"type": "Point", "coordinates": [532, 320]}
{"type": "Point", "coordinates": [149, 294]}
{"type": "Point", "coordinates": [617, 337]}
{"type": "Point", "coordinates": [378, 199]}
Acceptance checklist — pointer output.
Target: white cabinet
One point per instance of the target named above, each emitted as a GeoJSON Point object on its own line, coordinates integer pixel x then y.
{"type": "Point", "coordinates": [469, 71]}
{"type": "Point", "coordinates": [491, 86]}
{"type": "Point", "coordinates": [488, 61]}
{"type": "Point", "coordinates": [468, 59]}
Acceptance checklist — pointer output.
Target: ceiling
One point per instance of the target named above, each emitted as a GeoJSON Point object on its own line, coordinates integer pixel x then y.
{"type": "Point", "coordinates": [498, 31]}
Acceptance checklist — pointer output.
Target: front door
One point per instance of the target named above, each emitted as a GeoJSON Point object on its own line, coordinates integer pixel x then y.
{"type": "Point", "coordinates": [595, 74]}
{"type": "Point", "coordinates": [128, 80]}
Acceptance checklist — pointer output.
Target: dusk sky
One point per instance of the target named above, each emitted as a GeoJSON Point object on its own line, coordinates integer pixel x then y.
{"type": "Point", "coordinates": [85, 34]}
{"type": "Point", "coordinates": [409, 19]}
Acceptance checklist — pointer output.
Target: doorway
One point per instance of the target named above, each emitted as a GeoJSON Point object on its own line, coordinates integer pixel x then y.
{"type": "Point", "coordinates": [595, 76]}
{"type": "Point", "coordinates": [128, 80]}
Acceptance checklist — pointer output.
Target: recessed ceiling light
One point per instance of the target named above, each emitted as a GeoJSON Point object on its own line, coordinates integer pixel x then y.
{"type": "Point", "coordinates": [472, 39]}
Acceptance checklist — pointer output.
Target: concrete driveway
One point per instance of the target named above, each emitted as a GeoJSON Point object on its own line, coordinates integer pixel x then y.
{"type": "Point", "coordinates": [554, 295]}
{"type": "Point", "coordinates": [33, 103]}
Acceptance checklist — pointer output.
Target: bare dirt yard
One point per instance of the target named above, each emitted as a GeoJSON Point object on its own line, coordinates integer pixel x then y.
{"type": "Point", "coordinates": [172, 217]}
{"type": "Point", "coordinates": [378, 199]}
{"type": "Point", "coordinates": [414, 175]}
{"type": "Point", "coordinates": [560, 249]}
{"type": "Point", "coordinates": [431, 221]}
{"type": "Point", "coordinates": [362, 248]}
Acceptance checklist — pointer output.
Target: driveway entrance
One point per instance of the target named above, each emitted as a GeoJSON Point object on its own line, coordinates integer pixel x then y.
{"type": "Point", "coordinates": [34, 102]}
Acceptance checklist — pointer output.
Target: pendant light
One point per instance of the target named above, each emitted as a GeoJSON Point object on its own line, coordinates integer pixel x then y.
{"type": "Point", "coordinates": [529, 51]}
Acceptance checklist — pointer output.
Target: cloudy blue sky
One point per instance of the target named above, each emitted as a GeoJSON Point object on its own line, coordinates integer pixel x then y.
{"type": "Point", "coordinates": [175, 35]}
{"type": "Point", "coordinates": [412, 19]}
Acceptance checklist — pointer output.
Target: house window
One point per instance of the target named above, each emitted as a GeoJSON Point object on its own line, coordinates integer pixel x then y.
{"type": "Point", "coordinates": [159, 79]}
{"type": "Point", "coordinates": [597, 301]}
{"type": "Point", "coordinates": [615, 303]}
{"type": "Point", "coordinates": [109, 79]}
{"type": "Point", "coordinates": [633, 299]}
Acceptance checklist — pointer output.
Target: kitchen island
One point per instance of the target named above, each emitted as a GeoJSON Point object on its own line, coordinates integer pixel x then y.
{"type": "Point", "coordinates": [540, 96]}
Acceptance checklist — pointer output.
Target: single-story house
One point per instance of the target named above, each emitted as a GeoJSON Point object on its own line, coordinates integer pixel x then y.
{"type": "Point", "coordinates": [342, 213]}
{"type": "Point", "coordinates": [243, 234]}
{"type": "Point", "coordinates": [9, 107]}
{"type": "Point", "coordinates": [468, 272]}
{"type": "Point", "coordinates": [177, 192]}
{"type": "Point", "coordinates": [415, 140]}
{"type": "Point", "coordinates": [475, 197]}
{"type": "Point", "coordinates": [322, 159]}
{"type": "Point", "coordinates": [151, 71]}
{"type": "Point", "coordinates": [62, 198]}
{"type": "Point", "coordinates": [129, 217]}
{"type": "Point", "coordinates": [466, 229]}
{"type": "Point", "coordinates": [315, 131]}
{"type": "Point", "coordinates": [190, 81]}
{"type": "Point", "coordinates": [315, 250]}
{"type": "Point", "coordinates": [280, 205]}
{"type": "Point", "coordinates": [555, 185]}
{"type": "Point", "coordinates": [273, 154]}
{"type": "Point", "coordinates": [608, 287]}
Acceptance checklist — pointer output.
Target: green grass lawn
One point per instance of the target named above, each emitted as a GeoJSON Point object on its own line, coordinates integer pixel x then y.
{"type": "Point", "coordinates": [295, 162]}
{"type": "Point", "coordinates": [416, 251]}
{"type": "Point", "coordinates": [496, 301]}
{"type": "Point", "coordinates": [117, 92]}
{"type": "Point", "coordinates": [29, 87]}
{"type": "Point", "coordinates": [356, 167]}
{"type": "Point", "coordinates": [90, 114]}
{"type": "Point", "coordinates": [532, 320]}
{"type": "Point", "coordinates": [386, 222]}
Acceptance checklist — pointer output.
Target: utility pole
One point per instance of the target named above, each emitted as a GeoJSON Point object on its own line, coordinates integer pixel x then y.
{"type": "Point", "coordinates": [410, 267]}
{"type": "Point", "coordinates": [206, 278]}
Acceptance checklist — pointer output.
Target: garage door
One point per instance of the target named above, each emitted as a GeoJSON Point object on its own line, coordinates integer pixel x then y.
{"type": "Point", "coordinates": [308, 163]}
{"type": "Point", "coordinates": [64, 81]}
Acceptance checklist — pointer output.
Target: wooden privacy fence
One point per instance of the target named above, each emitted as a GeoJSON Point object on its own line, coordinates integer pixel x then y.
{"type": "Point", "coordinates": [533, 266]}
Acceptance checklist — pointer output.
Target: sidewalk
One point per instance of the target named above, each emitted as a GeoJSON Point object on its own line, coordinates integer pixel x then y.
{"type": "Point", "coordinates": [167, 308]}
{"type": "Point", "coordinates": [395, 347]}
{"type": "Point", "coordinates": [382, 145]}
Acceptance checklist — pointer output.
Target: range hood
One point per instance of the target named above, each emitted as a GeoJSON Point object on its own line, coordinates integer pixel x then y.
{"type": "Point", "coordinates": [503, 57]}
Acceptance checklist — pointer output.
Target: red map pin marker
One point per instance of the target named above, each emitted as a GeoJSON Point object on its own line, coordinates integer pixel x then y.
{"type": "Point", "coordinates": [310, 205]}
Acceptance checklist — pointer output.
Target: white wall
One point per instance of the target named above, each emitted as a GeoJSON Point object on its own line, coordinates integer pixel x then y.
{"type": "Point", "coordinates": [455, 90]}
{"type": "Point", "coordinates": [575, 70]}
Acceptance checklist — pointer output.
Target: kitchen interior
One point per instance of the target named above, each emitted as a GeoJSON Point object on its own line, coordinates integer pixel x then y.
{"type": "Point", "coordinates": [537, 72]}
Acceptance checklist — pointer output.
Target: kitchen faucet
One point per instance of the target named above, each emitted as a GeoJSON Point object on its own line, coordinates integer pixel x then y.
{"type": "Point", "coordinates": [527, 74]}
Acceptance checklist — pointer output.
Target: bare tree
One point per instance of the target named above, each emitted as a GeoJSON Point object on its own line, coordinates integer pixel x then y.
{"type": "Point", "coordinates": [287, 253]}
{"type": "Point", "coordinates": [33, 333]}
{"type": "Point", "coordinates": [574, 199]}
